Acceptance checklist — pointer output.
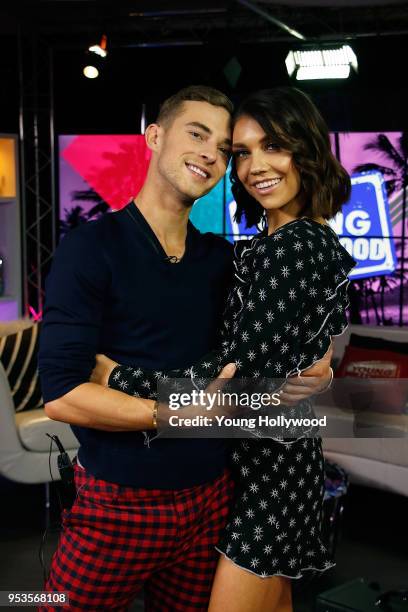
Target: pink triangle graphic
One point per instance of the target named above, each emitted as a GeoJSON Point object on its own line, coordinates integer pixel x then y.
{"type": "Point", "coordinates": [114, 166]}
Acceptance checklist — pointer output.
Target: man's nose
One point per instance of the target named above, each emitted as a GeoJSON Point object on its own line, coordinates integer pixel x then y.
{"type": "Point", "coordinates": [209, 153]}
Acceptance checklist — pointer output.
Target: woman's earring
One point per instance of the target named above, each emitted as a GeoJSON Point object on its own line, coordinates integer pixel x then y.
{"type": "Point", "coordinates": [262, 223]}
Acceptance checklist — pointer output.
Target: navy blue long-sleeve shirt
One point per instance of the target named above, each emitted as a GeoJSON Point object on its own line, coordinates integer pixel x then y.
{"type": "Point", "coordinates": [112, 291]}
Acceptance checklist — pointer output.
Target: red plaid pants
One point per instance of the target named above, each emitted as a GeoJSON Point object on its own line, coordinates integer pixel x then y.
{"type": "Point", "coordinates": [117, 540]}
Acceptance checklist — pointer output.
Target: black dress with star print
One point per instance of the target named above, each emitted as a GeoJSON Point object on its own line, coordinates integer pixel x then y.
{"type": "Point", "coordinates": [288, 299]}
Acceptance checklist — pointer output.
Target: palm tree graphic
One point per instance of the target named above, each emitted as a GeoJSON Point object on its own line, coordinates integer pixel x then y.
{"type": "Point", "coordinates": [396, 181]}
{"type": "Point", "coordinates": [394, 173]}
{"type": "Point", "coordinates": [76, 215]}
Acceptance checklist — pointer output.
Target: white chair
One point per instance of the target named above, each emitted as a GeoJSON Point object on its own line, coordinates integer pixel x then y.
{"type": "Point", "coordinates": [24, 446]}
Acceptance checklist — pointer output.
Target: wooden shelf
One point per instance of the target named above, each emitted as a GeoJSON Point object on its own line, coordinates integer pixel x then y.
{"type": "Point", "coordinates": [8, 167]}
{"type": "Point", "coordinates": [10, 228]}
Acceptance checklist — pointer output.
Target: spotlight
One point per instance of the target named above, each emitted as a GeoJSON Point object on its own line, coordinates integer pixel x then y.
{"type": "Point", "coordinates": [328, 62]}
{"type": "Point", "coordinates": [95, 56]}
{"type": "Point", "coordinates": [91, 72]}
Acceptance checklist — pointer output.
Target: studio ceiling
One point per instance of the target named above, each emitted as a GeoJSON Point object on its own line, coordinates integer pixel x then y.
{"type": "Point", "coordinates": [150, 22]}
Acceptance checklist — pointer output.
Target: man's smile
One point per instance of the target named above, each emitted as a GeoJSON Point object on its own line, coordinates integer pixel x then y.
{"type": "Point", "coordinates": [198, 171]}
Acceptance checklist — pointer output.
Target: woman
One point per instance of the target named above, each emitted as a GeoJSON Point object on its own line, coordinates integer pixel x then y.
{"type": "Point", "coordinates": [288, 300]}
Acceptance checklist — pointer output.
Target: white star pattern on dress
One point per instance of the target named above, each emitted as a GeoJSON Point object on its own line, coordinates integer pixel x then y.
{"type": "Point", "coordinates": [258, 532]}
{"type": "Point", "coordinates": [270, 316]}
{"type": "Point", "coordinates": [279, 252]}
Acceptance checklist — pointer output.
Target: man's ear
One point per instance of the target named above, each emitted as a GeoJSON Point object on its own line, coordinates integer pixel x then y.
{"type": "Point", "coordinates": [154, 136]}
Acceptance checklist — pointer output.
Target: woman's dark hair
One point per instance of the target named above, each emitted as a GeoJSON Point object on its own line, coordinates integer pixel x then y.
{"type": "Point", "coordinates": [293, 122]}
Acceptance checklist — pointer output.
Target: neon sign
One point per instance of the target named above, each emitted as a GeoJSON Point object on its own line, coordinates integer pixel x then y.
{"type": "Point", "coordinates": [364, 227]}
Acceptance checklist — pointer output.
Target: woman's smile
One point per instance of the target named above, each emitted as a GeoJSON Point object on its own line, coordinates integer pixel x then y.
{"type": "Point", "coordinates": [265, 186]}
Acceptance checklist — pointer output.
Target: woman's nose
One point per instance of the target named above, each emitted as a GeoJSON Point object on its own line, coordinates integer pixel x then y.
{"type": "Point", "coordinates": [258, 163]}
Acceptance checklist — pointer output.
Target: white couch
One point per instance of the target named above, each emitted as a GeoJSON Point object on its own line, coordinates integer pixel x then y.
{"type": "Point", "coordinates": [376, 462]}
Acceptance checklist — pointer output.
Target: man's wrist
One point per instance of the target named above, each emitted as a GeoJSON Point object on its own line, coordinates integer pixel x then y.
{"type": "Point", "coordinates": [154, 414]}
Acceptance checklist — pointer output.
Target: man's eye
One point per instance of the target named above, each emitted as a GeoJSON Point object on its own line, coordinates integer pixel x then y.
{"type": "Point", "coordinates": [240, 154]}
{"type": "Point", "coordinates": [225, 152]}
{"type": "Point", "coordinates": [196, 135]}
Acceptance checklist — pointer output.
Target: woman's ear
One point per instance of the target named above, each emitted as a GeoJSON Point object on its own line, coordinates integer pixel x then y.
{"type": "Point", "coordinates": [153, 136]}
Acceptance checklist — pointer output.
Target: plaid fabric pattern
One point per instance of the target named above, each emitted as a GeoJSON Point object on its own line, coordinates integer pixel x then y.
{"type": "Point", "coordinates": [118, 539]}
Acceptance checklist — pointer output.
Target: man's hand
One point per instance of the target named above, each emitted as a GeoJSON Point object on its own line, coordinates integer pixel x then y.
{"type": "Point", "coordinates": [102, 370]}
{"type": "Point", "coordinates": [313, 380]}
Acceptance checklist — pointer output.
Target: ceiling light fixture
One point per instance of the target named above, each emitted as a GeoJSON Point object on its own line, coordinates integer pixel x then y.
{"type": "Point", "coordinates": [328, 62]}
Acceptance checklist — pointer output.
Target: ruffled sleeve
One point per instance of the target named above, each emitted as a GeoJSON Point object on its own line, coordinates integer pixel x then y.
{"type": "Point", "coordinates": [326, 291]}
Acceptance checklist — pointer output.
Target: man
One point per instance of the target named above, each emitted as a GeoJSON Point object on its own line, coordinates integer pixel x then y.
{"type": "Point", "coordinates": [145, 515]}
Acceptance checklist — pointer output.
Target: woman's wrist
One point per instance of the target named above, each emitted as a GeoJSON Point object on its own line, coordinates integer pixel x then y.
{"type": "Point", "coordinates": [328, 384]}
{"type": "Point", "coordinates": [114, 376]}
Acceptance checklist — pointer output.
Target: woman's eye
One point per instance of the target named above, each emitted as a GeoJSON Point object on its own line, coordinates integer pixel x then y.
{"type": "Point", "coordinates": [271, 146]}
